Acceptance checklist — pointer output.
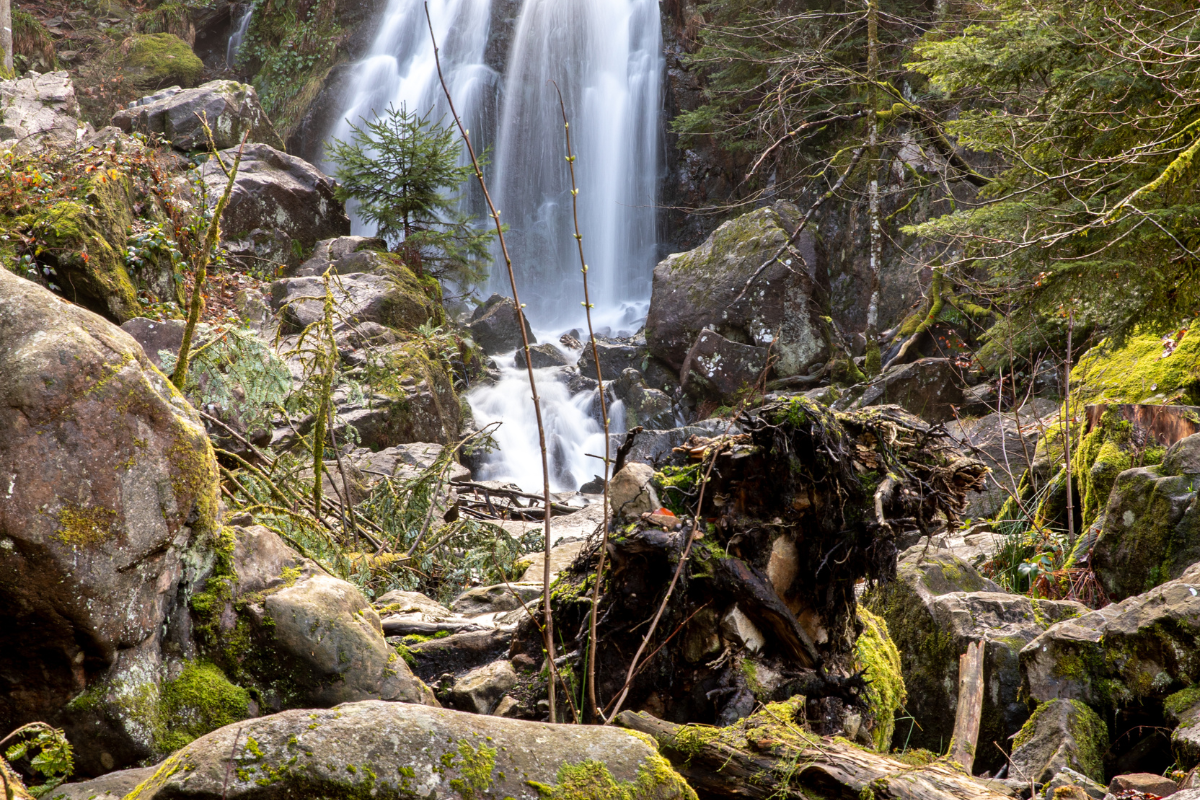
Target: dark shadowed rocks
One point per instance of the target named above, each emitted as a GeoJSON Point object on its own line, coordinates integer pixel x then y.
{"type": "Point", "coordinates": [232, 110]}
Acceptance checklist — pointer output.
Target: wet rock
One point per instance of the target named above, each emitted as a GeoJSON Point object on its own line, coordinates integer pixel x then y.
{"type": "Point", "coordinates": [1124, 652]}
{"type": "Point", "coordinates": [1151, 527]}
{"type": "Point", "coordinates": [938, 605]}
{"type": "Point", "coordinates": [110, 503]}
{"type": "Point", "coordinates": [345, 255]}
{"type": "Point", "coordinates": [394, 302]}
{"type": "Point", "coordinates": [1061, 734]}
{"type": "Point", "coordinates": [280, 207]}
{"type": "Point", "coordinates": [496, 599]}
{"type": "Point", "coordinates": [616, 356]}
{"type": "Point", "coordinates": [1144, 782]}
{"type": "Point", "coordinates": [718, 369]}
{"type": "Point", "coordinates": [495, 326]}
{"type": "Point", "coordinates": [542, 355]}
{"type": "Point", "coordinates": [113, 786]}
{"type": "Point", "coordinates": [399, 750]}
{"type": "Point", "coordinates": [457, 653]}
{"type": "Point", "coordinates": [231, 108]}
{"type": "Point", "coordinates": [649, 408]}
{"type": "Point", "coordinates": [703, 288]}
{"type": "Point", "coordinates": [655, 446]}
{"type": "Point", "coordinates": [928, 387]}
{"type": "Point", "coordinates": [480, 689]}
{"type": "Point", "coordinates": [41, 109]}
{"type": "Point", "coordinates": [631, 494]}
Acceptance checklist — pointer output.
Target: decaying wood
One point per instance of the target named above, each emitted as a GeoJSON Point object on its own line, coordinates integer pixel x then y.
{"type": "Point", "coordinates": [1166, 425]}
{"type": "Point", "coordinates": [970, 706]}
{"type": "Point", "coordinates": [770, 755]}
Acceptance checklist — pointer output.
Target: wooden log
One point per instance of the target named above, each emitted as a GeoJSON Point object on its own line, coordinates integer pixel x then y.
{"type": "Point", "coordinates": [770, 756]}
{"type": "Point", "coordinates": [970, 706]}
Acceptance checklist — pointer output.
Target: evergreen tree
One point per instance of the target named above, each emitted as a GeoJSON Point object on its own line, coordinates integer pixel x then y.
{"type": "Point", "coordinates": [404, 171]}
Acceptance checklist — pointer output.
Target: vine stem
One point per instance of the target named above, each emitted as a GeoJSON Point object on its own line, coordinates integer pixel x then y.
{"type": "Point", "coordinates": [592, 707]}
{"type": "Point", "coordinates": [548, 630]}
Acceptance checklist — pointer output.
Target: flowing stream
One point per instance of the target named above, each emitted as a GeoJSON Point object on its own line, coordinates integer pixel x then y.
{"type": "Point", "coordinates": [606, 58]}
{"type": "Point", "coordinates": [238, 35]}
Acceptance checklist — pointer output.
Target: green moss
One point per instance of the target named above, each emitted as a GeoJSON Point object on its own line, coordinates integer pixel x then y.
{"type": "Point", "coordinates": [1087, 730]}
{"type": "Point", "coordinates": [875, 653]}
{"type": "Point", "coordinates": [1181, 702]}
{"type": "Point", "coordinates": [158, 60]}
{"type": "Point", "coordinates": [200, 700]}
{"type": "Point", "coordinates": [1138, 372]}
{"type": "Point", "coordinates": [676, 485]}
{"type": "Point", "coordinates": [916, 758]}
{"type": "Point", "coordinates": [591, 780]}
{"type": "Point", "coordinates": [85, 526]}
{"type": "Point", "coordinates": [475, 770]}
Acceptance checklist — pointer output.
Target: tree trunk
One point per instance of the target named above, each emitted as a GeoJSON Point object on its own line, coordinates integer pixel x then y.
{"type": "Point", "coordinates": [872, 362]}
{"type": "Point", "coordinates": [771, 756]}
{"type": "Point", "coordinates": [6, 37]}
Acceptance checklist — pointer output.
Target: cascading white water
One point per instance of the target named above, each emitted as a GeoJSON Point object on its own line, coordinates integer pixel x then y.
{"type": "Point", "coordinates": [241, 24]}
{"type": "Point", "coordinates": [606, 57]}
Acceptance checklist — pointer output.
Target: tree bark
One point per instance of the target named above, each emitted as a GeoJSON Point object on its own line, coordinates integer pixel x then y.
{"type": "Point", "coordinates": [6, 37]}
{"type": "Point", "coordinates": [970, 706]}
{"type": "Point", "coordinates": [778, 760]}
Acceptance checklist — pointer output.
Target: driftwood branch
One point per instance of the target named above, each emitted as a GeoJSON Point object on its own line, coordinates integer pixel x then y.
{"type": "Point", "coordinates": [970, 706]}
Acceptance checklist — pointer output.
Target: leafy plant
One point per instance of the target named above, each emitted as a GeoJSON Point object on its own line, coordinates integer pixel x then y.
{"type": "Point", "coordinates": [52, 757]}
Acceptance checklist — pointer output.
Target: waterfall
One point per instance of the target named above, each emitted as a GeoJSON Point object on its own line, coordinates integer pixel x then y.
{"type": "Point", "coordinates": [240, 26]}
{"type": "Point", "coordinates": [606, 58]}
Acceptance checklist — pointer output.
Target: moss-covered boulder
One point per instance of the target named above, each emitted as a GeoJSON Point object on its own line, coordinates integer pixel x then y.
{"type": "Point", "coordinates": [875, 653]}
{"type": "Point", "coordinates": [109, 511]}
{"type": "Point", "coordinates": [396, 298]}
{"type": "Point", "coordinates": [1143, 370]}
{"type": "Point", "coordinates": [1182, 710]}
{"type": "Point", "coordinates": [1150, 531]}
{"type": "Point", "coordinates": [157, 60]}
{"type": "Point", "coordinates": [711, 287]}
{"type": "Point", "coordinates": [395, 751]}
{"type": "Point", "coordinates": [1060, 735]}
{"type": "Point", "coordinates": [937, 606]}
{"type": "Point", "coordinates": [1139, 650]}
{"type": "Point", "coordinates": [231, 109]}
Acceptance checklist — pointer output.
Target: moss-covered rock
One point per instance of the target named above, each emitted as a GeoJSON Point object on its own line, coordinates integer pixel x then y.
{"type": "Point", "coordinates": [1060, 734]}
{"type": "Point", "coordinates": [157, 60]}
{"type": "Point", "coordinates": [395, 751]}
{"type": "Point", "coordinates": [1142, 370]}
{"type": "Point", "coordinates": [1150, 531]}
{"type": "Point", "coordinates": [1182, 709]}
{"type": "Point", "coordinates": [876, 654]}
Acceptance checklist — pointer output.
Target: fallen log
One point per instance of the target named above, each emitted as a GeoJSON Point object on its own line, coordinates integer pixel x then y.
{"type": "Point", "coordinates": [771, 755]}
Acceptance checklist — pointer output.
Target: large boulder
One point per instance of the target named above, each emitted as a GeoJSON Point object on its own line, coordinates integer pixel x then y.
{"type": "Point", "coordinates": [157, 60]}
{"type": "Point", "coordinates": [1151, 526]}
{"type": "Point", "coordinates": [40, 108]}
{"type": "Point", "coordinates": [707, 288]}
{"type": "Point", "coordinates": [1005, 442]}
{"type": "Point", "coordinates": [109, 507]}
{"type": "Point", "coordinates": [344, 255]}
{"type": "Point", "coordinates": [1060, 735]}
{"type": "Point", "coordinates": [392, 751]}
{"type": "Point", "coordinates": [395, 300]}
{"type": "Point", "coordinates": [1139, 650]}
{"type": "Point", "coordinates": [931, 388]}
{"type": "Point", "coordinates": [232, 110]}
{"type": "Point", "coordinates": [496, 328]}
{"type": "Point", "coordinates": [281, 206]}
{"type": "Point", "coordinates": [718, 369]}
{"type": "Point", "coordinates": [302, 638]}
{"type": "Point", "coordinates": [937, 606]}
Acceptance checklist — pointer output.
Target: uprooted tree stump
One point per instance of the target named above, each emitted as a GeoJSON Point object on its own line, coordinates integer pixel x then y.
{"type": "Point", "coordinates": [801, 506]}
{"type": "Point", "coordinates": [772, 755]}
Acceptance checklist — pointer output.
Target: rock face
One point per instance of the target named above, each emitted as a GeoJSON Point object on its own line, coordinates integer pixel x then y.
{"type": "Point", "coordinates": [720, 369]}
{"type": "Point", "coordinates": [1060, 735]}
{"type": "Point", "coordinates": [345, 254]}
{"type": "Point", "coordinates": [936, 607]}
{"type": "Point", "coordinates": [391, 750]}
{"type": "Point", "coordinates": [231, 108]}
{"type": "Point", "coordinates": [703, 288]}
{"type": "Point", "coordinates": [495, 326]}
{"type": "Point", "coordinates": [280, 205]}
{"type": "Point", "coordinates": [1151, 528]}
{"type": "Point", "coordinates": [42, 107]}
{"type": "Point", "coordinates": [481, 689]}
{"type": "Point", "coordinates": [393, 301]}
{"type": "Point", "coordinates": [110, 502]}
{"type": "Point", "coordinates": [928, 387]}
{"type": "Point", "coordinates": [1183, 710]}
{"type": "Point", "coordinates": [652, 409]}
{"type": "Point", "coordinates": [1006, 442]}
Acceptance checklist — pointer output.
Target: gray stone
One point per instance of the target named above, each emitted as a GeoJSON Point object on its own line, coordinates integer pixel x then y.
{"type": "Point", "coordinates": [398, 601]}
{"type": "Point", "coordinates": [1183, 711]}
{"type": "Point", "coordinates": [718, 369]}
{"type": "Point", "coordinates": [928, 387]}
{"type": "Point", "coordinates": [345, 254]}
{"type": "Point", "coordinates": [232, 110]}
{"type": "Point", "coordinates": [1061, 734]}
{"type": "Point", "coordinates": [280, 205]}
{"type": "Point", "coordinates": [542, 355]}
{"type": "Point", "coordinates": [561, 557]}
{"type": "Point", "coordinates": [707, 288]}
{"type": "Point", "coordinates": [655, 446]}
{"type": "Point", "coordinates": [480, 689]}
{"type": "Point", "coordinates": [496, 599]}
{"type": "Point", "coordinates": [1144, 782]}
{"type": "Point", "coordinates": [393, 750]}
{"type": "Point", "coordinates": [1068, 777]}
{"type": "Point", "coordinates": [616, 356]}
{"type": "Point", "coordinates": [631, 494]}
{"type": "Point", "coordinates": [495, 326]}
{"type": "Point", "coordinates": [41, 108]}
{"type": "Point", "coordinates": [113, 786]}
{"type": "Point", "coordinates": [359, 297]}
{"type": "Point", "coordinates": [156, 336]}
{"type": "Point", "coordinates": [109, 506]}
